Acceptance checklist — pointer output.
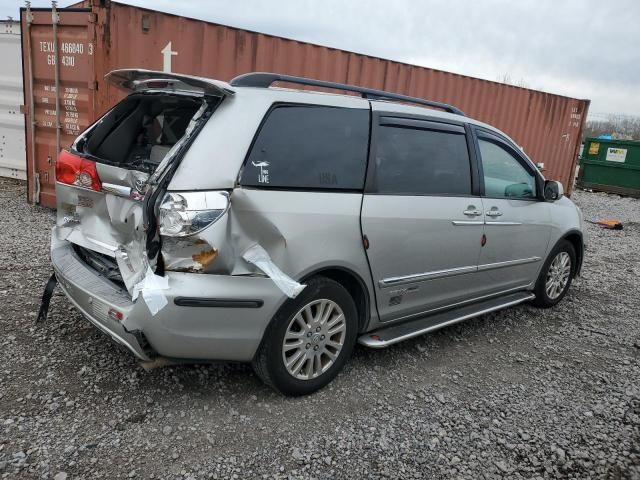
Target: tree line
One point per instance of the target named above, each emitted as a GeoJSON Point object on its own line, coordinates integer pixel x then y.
{"type": "Point", "coordinates": [621, 127]}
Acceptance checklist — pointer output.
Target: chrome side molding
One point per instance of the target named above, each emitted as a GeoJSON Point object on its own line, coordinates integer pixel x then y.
{"type": "Point", "coordinates": [508, 263]}
{"type": "Point", "coordinates": [421, 277]}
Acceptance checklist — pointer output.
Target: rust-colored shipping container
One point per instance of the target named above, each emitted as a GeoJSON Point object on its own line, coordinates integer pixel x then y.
{"type": "Point", "coordinates": [100, 36]}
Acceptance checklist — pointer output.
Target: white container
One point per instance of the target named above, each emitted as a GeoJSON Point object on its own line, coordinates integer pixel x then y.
{"type": "Point", "coordinates": [12, 147]}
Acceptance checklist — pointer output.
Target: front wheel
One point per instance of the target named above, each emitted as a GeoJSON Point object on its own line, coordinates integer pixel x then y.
{"type": "Point", "coordinates": [556, 275]}
{"type": "Point", "coordinates": [309, 339]}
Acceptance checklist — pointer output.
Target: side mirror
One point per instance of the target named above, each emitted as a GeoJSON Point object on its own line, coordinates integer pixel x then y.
{"type": "Point", "coordinates": [553, 190]}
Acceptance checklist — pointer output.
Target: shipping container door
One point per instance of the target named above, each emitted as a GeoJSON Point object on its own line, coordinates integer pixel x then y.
{"type": "Point", "coordinates": [12, 163]}
{"type": "Point", "coordinates": [52, 125]}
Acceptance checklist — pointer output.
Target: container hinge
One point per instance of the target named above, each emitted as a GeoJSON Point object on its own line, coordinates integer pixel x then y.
{"type": "Point", "coordinates": [93, 17]}
{"type": "Point", "coordinates": [92, 85]}
{"type": "Point", "coordinates": [29, 14]}
{"type": "Point", "coordinates": [23, 109]}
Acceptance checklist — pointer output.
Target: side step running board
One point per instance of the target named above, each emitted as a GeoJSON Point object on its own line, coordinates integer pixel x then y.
{"type": "Point", "coordinates": [397, 333]}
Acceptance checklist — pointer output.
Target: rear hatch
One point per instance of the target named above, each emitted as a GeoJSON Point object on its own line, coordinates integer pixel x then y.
{"type": "Point", "coordinates": [109, 181]}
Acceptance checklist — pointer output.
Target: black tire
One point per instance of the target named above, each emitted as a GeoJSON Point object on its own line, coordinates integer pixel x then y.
{"type": "Point", "coordinates": [268, 362]}
{"type": "Point", "coordinates": [542, 299]}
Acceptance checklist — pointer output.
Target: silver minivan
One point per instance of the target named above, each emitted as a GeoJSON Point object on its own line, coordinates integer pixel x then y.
{"type": "Point", "coordinates": [205, 220]}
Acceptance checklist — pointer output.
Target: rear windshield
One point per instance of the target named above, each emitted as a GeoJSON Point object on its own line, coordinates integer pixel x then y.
{"type": "Point", "coordinates": [139, 131]}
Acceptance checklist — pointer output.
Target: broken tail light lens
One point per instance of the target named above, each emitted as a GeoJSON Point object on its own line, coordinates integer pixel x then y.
{"type": "Point", "coordinates": [74, 170]}
{"type": "Point", "coordinates": [186, 213]}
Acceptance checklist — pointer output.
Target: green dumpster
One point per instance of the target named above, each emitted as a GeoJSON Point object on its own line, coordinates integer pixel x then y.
{"type": "Point", "coordinates": [610, 166]}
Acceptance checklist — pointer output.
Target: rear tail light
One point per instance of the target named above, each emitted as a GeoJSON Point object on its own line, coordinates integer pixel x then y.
{"type": "Point", "coordinates": [186, 213]}
{"type": "Point", "coordinates": [74, 170]}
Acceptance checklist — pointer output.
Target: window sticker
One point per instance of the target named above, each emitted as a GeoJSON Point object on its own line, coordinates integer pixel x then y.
{"type": "Point", "coordinates": [263, 176]}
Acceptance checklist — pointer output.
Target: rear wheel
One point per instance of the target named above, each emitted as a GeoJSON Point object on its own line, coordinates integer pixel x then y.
{"type": "Point", "coordinates": [309, 339]}
{"type": "Point", "coordinates": [556, 275]}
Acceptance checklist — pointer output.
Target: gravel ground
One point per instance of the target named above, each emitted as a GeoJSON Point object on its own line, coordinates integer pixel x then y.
{"type": "Point", "coordinates": [522, 393]}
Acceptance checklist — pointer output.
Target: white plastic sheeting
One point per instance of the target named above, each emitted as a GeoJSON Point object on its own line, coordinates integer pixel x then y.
{"type": "Point", "coordinates": [12, 147]}
{"type": "Point", "coordinates": [261, 259]}
{"type": "Point", "coordinates": [151, 288]}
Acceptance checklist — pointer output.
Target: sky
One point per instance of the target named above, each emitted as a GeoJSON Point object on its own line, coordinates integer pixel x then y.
{"type": "Point", "coordinates": [578, 48]}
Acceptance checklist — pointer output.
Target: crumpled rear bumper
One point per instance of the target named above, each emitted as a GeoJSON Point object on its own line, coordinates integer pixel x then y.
{"type": "Point", "coordinates": [207, 317]}
{"type": "Point", "coordinates": [94, 295]}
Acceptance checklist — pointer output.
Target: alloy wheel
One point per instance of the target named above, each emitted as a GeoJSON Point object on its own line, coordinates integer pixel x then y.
{"type": "Point", "coordinates": [558, 275]}
{"type": "Point", "coordinates": [314, 339]}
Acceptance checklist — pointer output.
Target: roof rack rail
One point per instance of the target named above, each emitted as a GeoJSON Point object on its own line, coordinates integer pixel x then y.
{"type": "Point", "coordinates": [265, 80]}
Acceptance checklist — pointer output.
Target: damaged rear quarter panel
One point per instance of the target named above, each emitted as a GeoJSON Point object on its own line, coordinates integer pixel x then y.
{"type": "Point", "coordinates": [326, 235]}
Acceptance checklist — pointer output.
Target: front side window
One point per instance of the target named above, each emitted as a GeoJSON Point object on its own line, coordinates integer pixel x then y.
{"type": "Point", "coordinates": [311, 147]}
{"type": "Point", "coordinates": [412, 161]}
{"type": "Point", "coordinates": [504, 175]}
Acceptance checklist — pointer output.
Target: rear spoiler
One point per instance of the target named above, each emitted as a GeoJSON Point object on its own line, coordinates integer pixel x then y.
{"type": "Point", "coordinates": [136, 80]}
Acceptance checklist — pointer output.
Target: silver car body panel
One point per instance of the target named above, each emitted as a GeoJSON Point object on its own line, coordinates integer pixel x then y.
{"type": "Point", "coordinates": [423, 248]}
{"type": "Point", "coordinates": [326, 236]}
{"type": "Point", "coordinates": [419, 258]}
{"type": "Point", "coordinates": [516, 243]}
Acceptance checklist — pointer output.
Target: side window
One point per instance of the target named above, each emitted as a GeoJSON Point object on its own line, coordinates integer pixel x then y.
{"type": "Point", "coordinates": [504, 175]}
{"type": "Point", "coordinates": [310, 147]}
{"type": "Point", "coordinates": [421, 162]}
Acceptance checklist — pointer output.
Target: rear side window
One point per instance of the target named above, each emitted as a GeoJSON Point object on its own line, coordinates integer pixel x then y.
{"type": "Point", "coordinates": [310, 147]}
{"type": "Point", "coordinates": [413, 161]}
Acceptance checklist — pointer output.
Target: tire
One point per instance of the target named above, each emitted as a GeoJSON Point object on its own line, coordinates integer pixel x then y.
{"type": "Point", "coordinates": [548, 297]}
{"type": "Point", "coordinates": [321, 295]}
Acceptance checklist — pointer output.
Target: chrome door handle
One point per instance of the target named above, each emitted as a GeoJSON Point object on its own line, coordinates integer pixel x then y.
{"type": "Point", "coordinates": [494, 213]}
{"type": "Point", "coordinates": [472, 211]}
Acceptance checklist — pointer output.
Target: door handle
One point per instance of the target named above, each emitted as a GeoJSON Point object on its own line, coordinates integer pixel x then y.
{"type": "Point", "coordinates": [472, 211]}
{"type": "Point", "coordinates": [494, 213]}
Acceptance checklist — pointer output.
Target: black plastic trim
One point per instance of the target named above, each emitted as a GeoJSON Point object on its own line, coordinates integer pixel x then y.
{"type": "Point", "coordinates": [302, 189]}
{"type": "Point", "coordinates": [217, 302]}
{"type": "Point", "coordinates": [474, 159]}
{"type": "Point", "coordinates": [266, 79]}
{"type": "Point", "coordinates": [387, 121]}
{"type": "Point", "coordinates": [46, 298]}
{"type": "Point", "coordinates": [424, 117]}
